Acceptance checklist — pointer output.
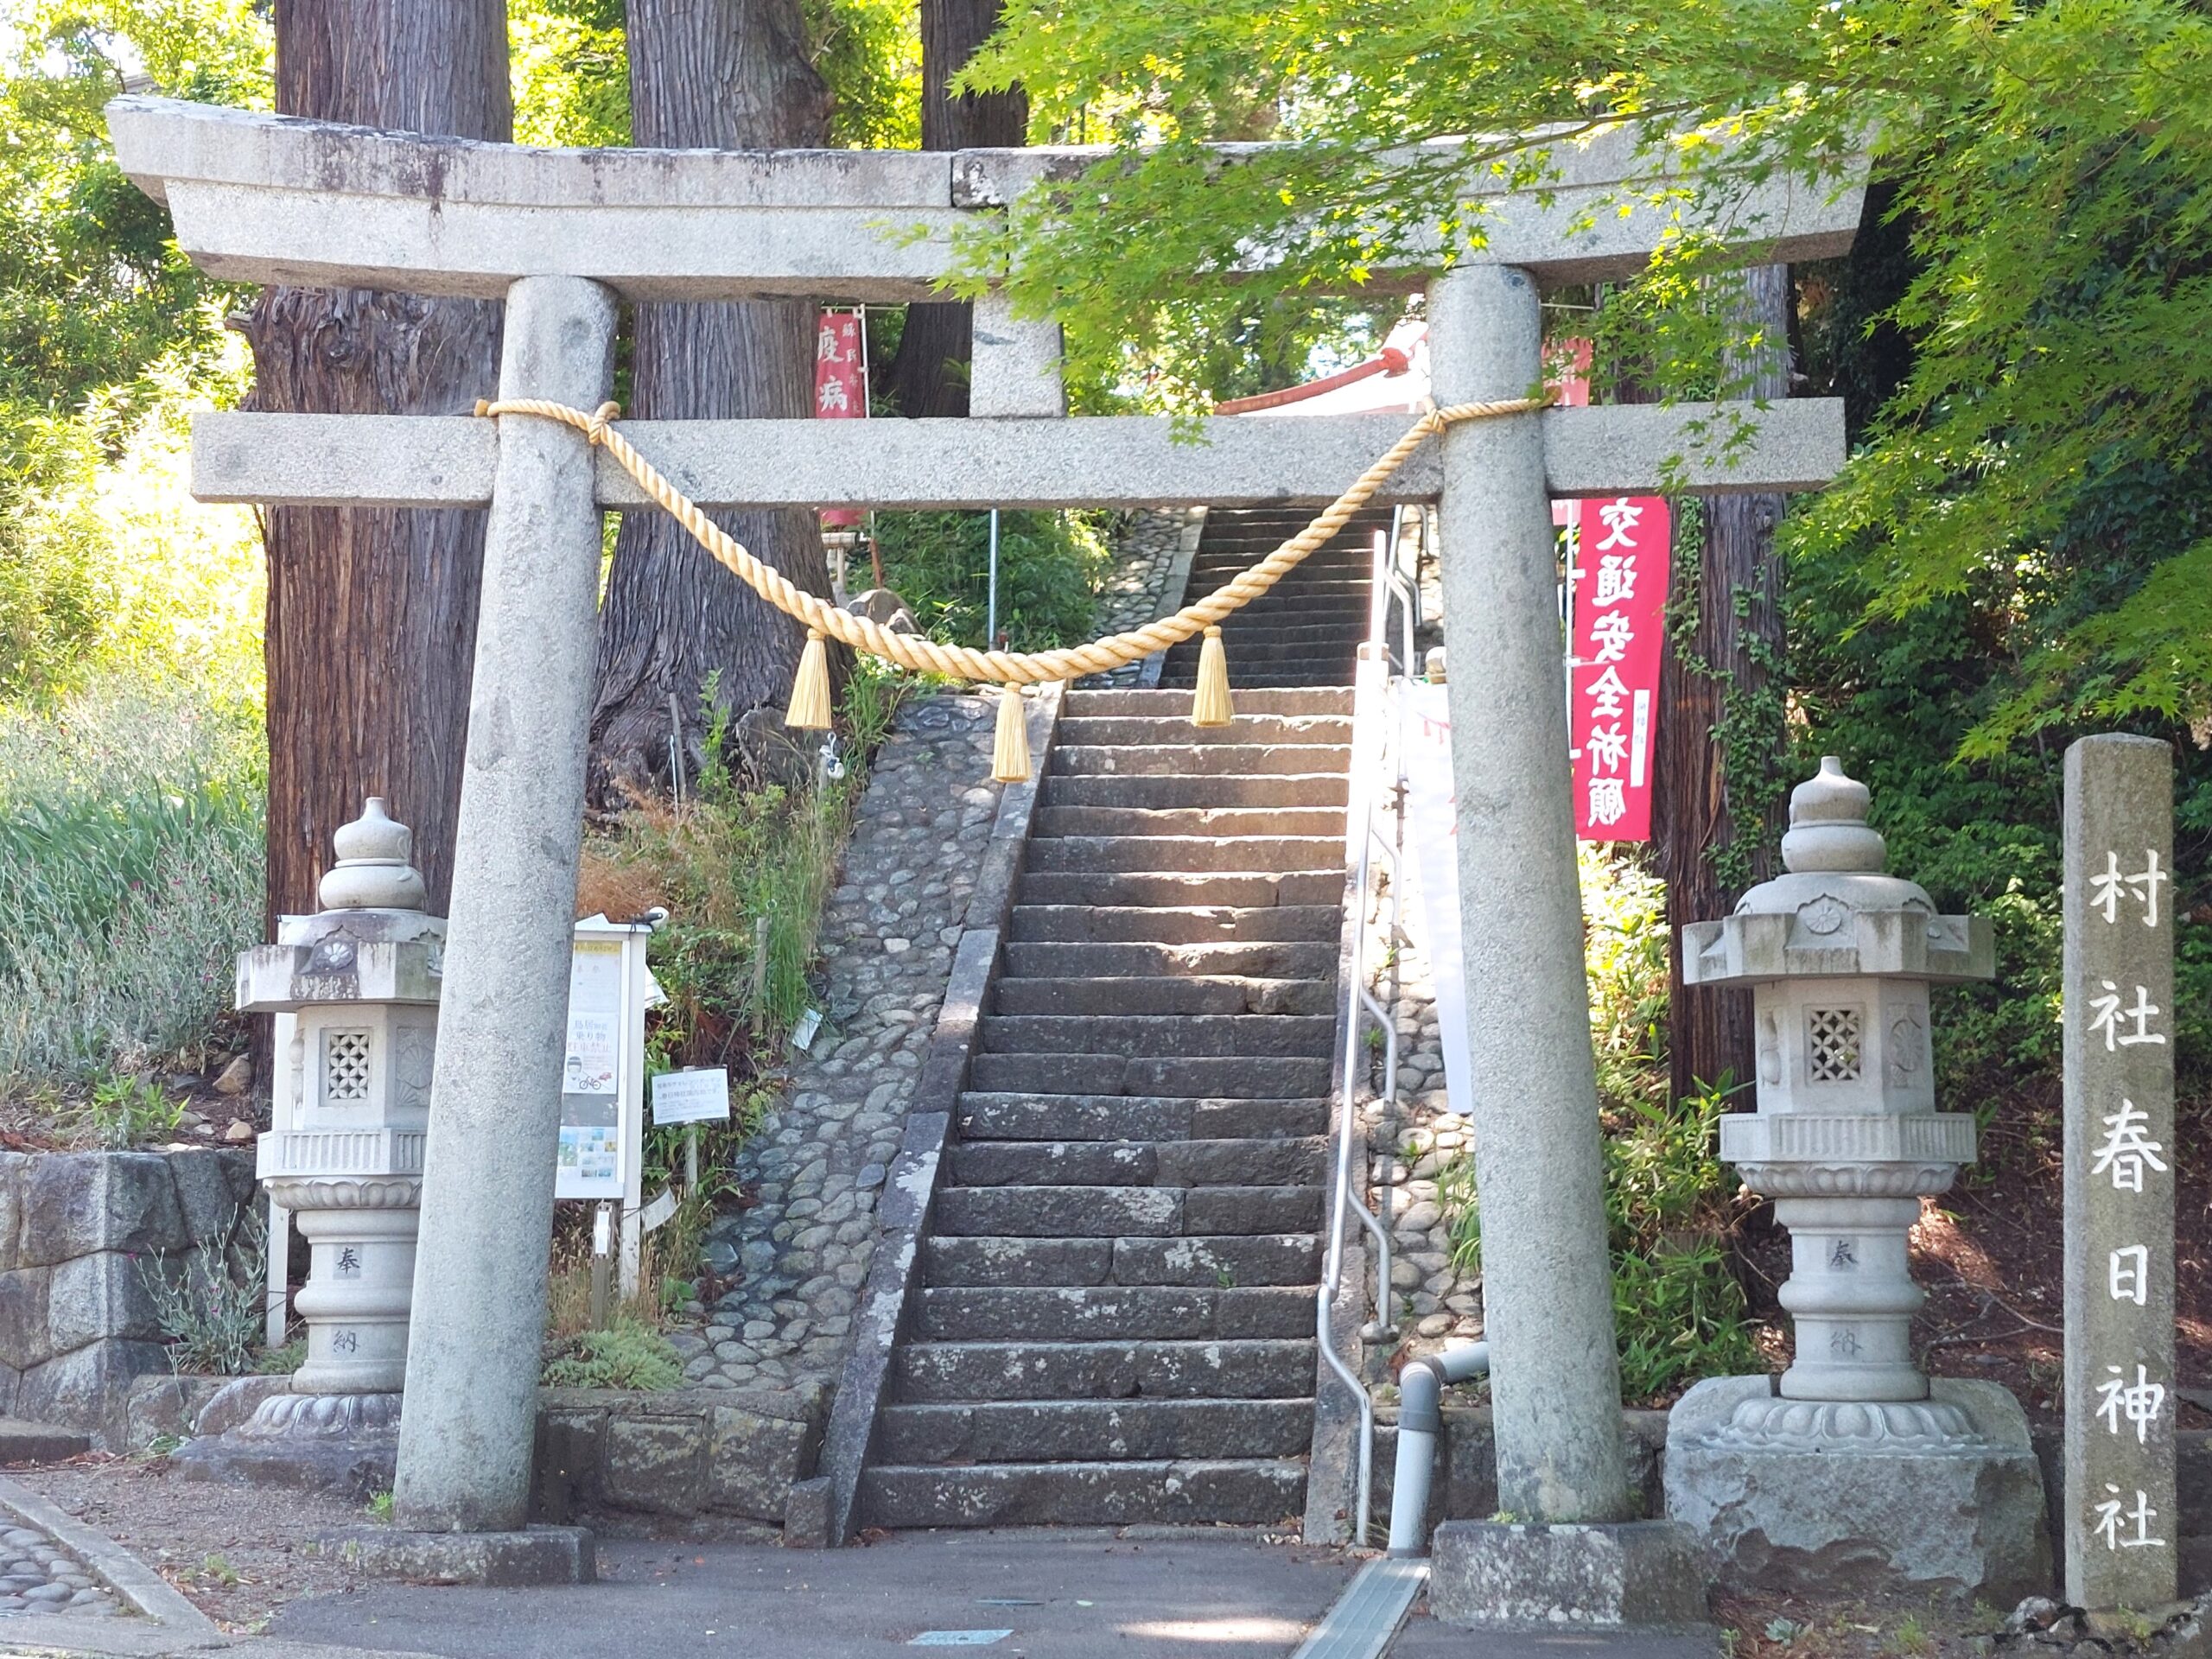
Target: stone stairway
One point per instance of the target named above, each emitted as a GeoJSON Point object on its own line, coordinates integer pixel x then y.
{"type": "Point", "coordinates": [1306, 630]}
{"type": "Point", "coordinates": [1116, 1322]}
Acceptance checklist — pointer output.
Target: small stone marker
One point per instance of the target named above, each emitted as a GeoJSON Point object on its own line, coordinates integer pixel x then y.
{"type": "Point", "coordinates": [2121, 1519]}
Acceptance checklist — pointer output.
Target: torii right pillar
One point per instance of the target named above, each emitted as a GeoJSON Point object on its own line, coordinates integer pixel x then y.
{"type": "Point", "coordinates": [1570, 1550]}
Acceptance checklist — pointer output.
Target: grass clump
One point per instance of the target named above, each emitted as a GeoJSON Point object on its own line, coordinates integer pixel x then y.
{"type": "Point", "coordinates": [210, 1306]}
{"type": "Point", "coordinates": [627, 1354]}
{"type": "Point", "coordinates": [130, 874]}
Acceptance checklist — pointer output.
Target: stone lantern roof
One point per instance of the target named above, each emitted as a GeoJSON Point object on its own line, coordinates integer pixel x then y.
{"type": "Point", "coordinates": [373, 941]}
{"type": "Point", "coordinates": [1835, 912]}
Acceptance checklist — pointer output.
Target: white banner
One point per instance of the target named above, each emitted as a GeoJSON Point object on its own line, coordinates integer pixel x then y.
{"type": "Point", "coordinates": [1431, 841]}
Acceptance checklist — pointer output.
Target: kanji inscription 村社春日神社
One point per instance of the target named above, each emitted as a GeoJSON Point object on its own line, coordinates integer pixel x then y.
{"type": "Point", "coordinates": [2120, 1516]}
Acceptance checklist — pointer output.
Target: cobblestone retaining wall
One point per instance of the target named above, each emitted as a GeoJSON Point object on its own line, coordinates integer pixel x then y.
{"type": "Point", "coordinates": [815, 1167]}
{"type": "Point", "coordinates": [1151, 560]}
{"type": "Point", "coordinates": [77, 1322]}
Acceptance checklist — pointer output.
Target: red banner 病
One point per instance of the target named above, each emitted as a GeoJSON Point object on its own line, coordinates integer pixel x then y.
{"type": "Point", "coordinates": [1618, 585]}
{"type": "Point", "coordinates": [840, 386]}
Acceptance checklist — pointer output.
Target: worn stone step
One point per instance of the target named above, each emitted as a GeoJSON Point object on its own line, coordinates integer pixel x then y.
{"type": "Point", "coordinates": [1124, 1211]}
{"type": "Point", "coordinates": [1080, 924]}
{"type": "Point", "coordinates": [1245, 854]}
{"type": "Point", "coordinates": [1236, 994]}
{"type": "Point", "coordinates": [1313, 960]}
{"type": "Point", "coordinates": [1207, 1077]}
{"type": "Point", "coordinates": [1071, 1431]}
{"type": "Point", "coordinates": [1269, 1259]}
{"type": "Point", "coordinates": [1249, 726]}
{"type": "Point", "coordinates": [1184, 1493]}
{"type": "Point", "coordinates": [1180, 889]}
{"type": "Point", "coordinates": [1105, 1370]}
{"type": "Point", "coordinates": [1162, 704]}
{"type": "Point", "coordinates": [1317, 635]}
{"type": "Point", "coordinates": [1219, 821]}
{"type": "Point", "coordinates": [1339, 655]}
{"type": "Point", "coordinates": [1277, 675]}
{"type": "Point", "coordinates": [1189, 758]}
{"type": "Point", "coordinates": [1160, 1035]}
{"type": "Point", "coordinates": [1111, 1312]}
{"type": "Point", "coordinates": [1279, 1161]}
{"type": "Point", "coordinates": [986, 1116]}
{"type": "Point", "coordinates": [1300, 789]}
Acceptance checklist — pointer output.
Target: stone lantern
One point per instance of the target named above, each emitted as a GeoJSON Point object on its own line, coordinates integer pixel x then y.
{"type": "Point", "coordinates": [1851, 1455]}
{"type": "Point", "coordinates": [361, 980]}
{"type": "Point", "coordinates": [1839, 957]}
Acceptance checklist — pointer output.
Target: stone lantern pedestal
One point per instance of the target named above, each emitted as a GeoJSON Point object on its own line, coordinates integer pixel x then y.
{"type": "Point", "coordinates": [361, 980]}
{"type": "Point", "coordinates": [1851, 1469]}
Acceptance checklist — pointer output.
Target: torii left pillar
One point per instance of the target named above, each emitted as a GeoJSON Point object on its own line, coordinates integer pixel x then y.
{"type": "Point", "coordinates": [471, 1404]}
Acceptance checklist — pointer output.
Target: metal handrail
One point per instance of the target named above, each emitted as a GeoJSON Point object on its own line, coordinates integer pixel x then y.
{"type": "Point", "coordinates": [1372, 809]}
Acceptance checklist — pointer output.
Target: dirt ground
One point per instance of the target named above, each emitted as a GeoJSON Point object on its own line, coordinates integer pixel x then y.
{"type": "Point", "coordinates": [238, 1553]}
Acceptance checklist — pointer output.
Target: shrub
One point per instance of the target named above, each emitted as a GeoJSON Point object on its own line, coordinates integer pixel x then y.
{"type": "Point", "coordinates": [1051, 565]}
{"type": "Point", "coordinates": [120, 1112]}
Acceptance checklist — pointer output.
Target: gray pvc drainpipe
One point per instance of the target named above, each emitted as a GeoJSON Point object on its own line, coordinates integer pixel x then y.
{"type": "Point", "coordinates": [1420, 1417]}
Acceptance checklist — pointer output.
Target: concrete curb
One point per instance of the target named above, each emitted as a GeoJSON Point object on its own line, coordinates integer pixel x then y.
{"type": "Point", "coordinates": [146, 1592]}
{"type": "Point", "coordinates": [1171, 595]}
{"type": "Point", "coordinates": [821, 1510]}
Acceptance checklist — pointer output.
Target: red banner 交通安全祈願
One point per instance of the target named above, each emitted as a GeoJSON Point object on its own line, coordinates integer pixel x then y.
{"type": "Point", "coordinates": [1619, 631]}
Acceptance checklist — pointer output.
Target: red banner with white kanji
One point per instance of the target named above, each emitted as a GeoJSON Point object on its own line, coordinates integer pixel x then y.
{"type": "Point", "coordinates": [1618, 587]}
{"type": "Point", "coordinates": [840, 385]}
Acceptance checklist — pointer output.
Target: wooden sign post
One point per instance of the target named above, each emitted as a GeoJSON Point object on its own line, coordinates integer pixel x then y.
{"type": "Point", "coordinates": [2120, 1513]}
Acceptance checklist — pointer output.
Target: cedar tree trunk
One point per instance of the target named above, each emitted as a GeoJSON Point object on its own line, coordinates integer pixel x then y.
{"type": "Point", "coordinates": [717, 74]}
{"type": "Point", "coordinates": [371, 613]}
{"type": "Point", "coordinates": [1729, 657]}
{"type": "Point", "coordinates": [928, 376]}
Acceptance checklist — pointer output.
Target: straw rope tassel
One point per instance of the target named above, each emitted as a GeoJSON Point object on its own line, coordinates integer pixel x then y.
{"type": "Point", "coordinates": [1209, 703]}
{"type": "Point", "coordinates": [810, 709]}
{"type": "Point", "coordinates": [1010, 746]}
{"type": "Point", "coordinates": [919, 652]}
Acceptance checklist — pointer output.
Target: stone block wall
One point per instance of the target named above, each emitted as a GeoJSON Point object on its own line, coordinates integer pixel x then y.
{"type": "Point", "coordinates": [78, 1232]}
{"type": "Point", "coordinates": [732, 1452]}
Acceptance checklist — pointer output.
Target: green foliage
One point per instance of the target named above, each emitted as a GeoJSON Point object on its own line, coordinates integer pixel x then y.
{"type": "Point", "coordinates": [569, 65]}
{"type": "Point", "coordinates": [1049, 568]}
{"type": "Point", "coordinates": [2052, 163]}
{"type": "Point", "coordinates": [107, 336]}
{"type": "Point", "coordinates": [626, 1355]}
{"type": "Point", "coordinates": [130, 874]}
{"type": "Point", "coordinates": [210, 1308]}
{"type": "Point", "coordinates": [570, 71]}
{"type": "Point", "coordinates": [121, 1112]}
{"type": "Point", "coordinates": [738, 868]}
{"type": "Point", "coordinates": [379, 1506]}
{"type": "Point", "coordinates": [283, 1362]}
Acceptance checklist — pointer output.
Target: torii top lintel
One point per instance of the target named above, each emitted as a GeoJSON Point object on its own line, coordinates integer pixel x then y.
{"type": "Point", "coordinates": [275, 199]}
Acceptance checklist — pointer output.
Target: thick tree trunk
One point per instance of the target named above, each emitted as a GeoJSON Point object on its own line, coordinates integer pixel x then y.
{"type": "Point", "coordinates": [1723, 665]}
{"type": "Point", "coordinates": [371, 615]}
{"type": "Point", "coordinates": [718, 75]}
{"type": "Point", "coordinates": [928, 376]}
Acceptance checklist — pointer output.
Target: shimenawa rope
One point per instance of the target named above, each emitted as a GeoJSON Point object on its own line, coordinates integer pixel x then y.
{"type": "Point", "coordinates": [809, 700]}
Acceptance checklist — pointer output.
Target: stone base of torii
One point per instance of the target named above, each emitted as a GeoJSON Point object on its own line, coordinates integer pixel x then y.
{"type": "Point", "coordinates": [563, 238]}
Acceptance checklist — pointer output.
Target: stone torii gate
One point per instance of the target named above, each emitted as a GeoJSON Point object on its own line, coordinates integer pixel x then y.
{"type": "Point", "coordinates": [562, 236]}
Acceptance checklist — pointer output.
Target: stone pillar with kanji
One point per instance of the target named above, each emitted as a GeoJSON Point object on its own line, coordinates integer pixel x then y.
{"type": "Point", "coordinates": [2121, 1519]}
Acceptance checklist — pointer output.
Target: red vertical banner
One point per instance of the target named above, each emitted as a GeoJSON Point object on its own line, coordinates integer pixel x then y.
{"type": "Point", "coordinates": [840, 386]}
{"type": "Point", "coordinates": [1618, 582]}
